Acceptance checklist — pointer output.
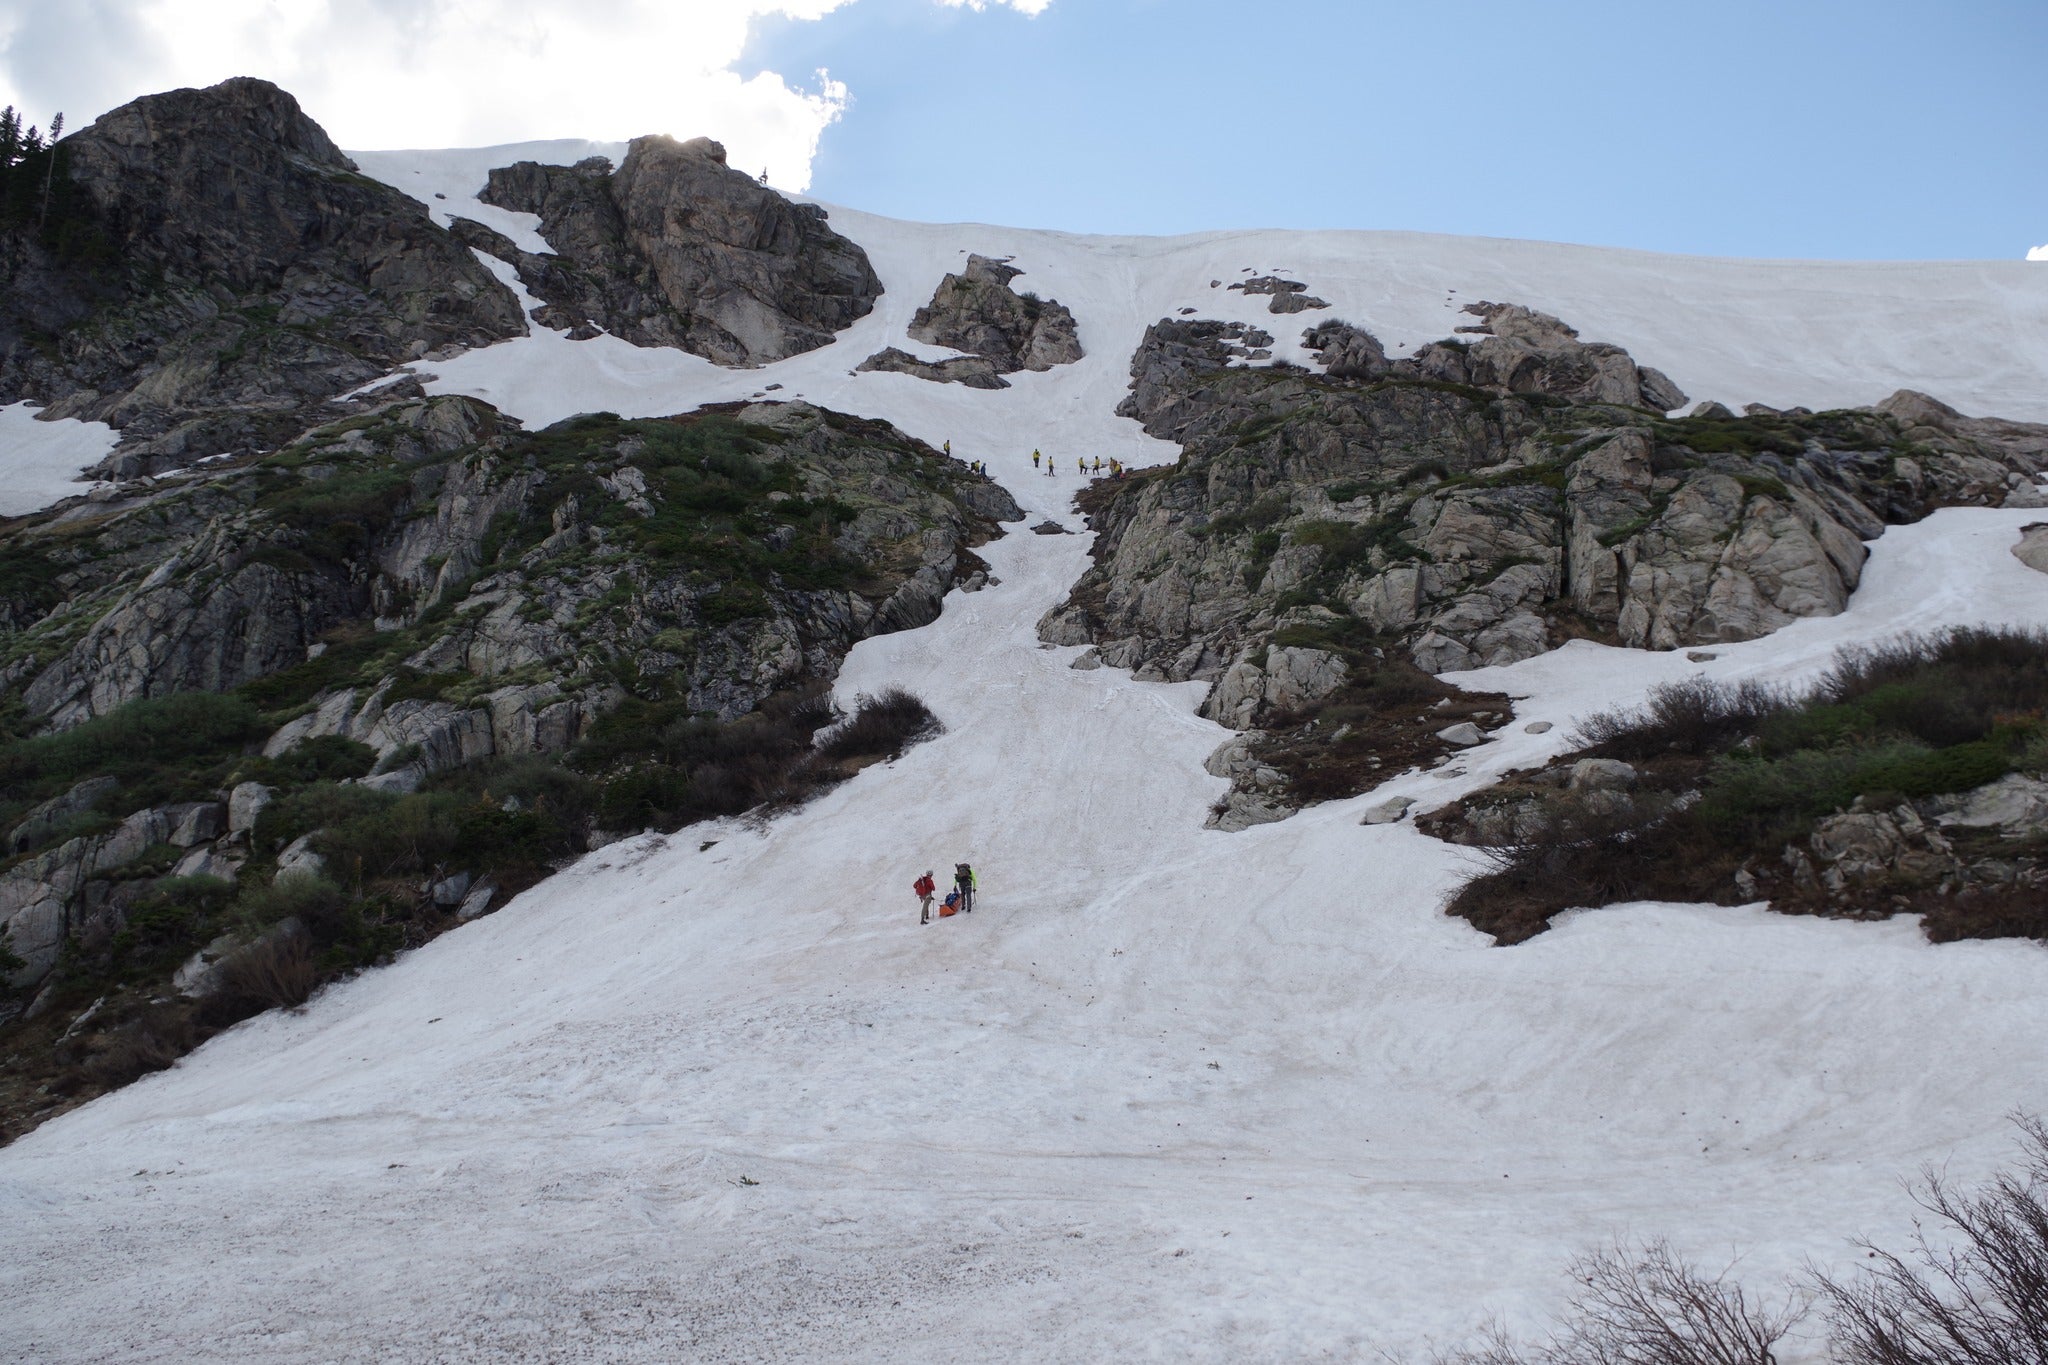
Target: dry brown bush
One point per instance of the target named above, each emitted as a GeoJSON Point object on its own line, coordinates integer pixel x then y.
{"type": "Point", "coordinates": [1647, 1305]}
{"type": "Point", "coordinates": [1973, 1290]}
{"type": "Point", "coordinates": [150, 1042]}
{"type": "Point", "coordinates": [277, 970]}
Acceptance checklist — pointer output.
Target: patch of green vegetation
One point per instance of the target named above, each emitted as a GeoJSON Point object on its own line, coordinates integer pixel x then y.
{"type": "Point", "coordinates": [734, 601]}
{"type": "Point", "coordinates": [349, 658]}
{"type": "Point", "coordinates": [1348, 637]}
{"type": "Point", "coordinates": [154, 747]}
{"type": "Point", "coordinates": [28, 576]}
{"type": "Point", "coordinates": [409, 684]}
{"type": "Point", "coordinates": [323, 758]}
{"type": "Point", "coordinates": [1763, 486]}
{"type": "Point", "coordinates": [1346, 545]}
{"type": "Point", "coordinates": [1897, 723]}
{"type": "Point", "coordinates": [1759, 435]}
{"type": "Point", "coordinates": [281, 557]}
{"type": "Point", "coordinates": [1269, 510]}
{"type": "Point", "coordinates": [160, 927]}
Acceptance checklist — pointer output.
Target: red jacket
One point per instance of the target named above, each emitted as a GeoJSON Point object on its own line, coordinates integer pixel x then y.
{"type": "Point", "coordinates": [924, 886]}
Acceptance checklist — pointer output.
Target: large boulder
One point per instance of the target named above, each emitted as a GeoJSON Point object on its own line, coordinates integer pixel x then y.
{"type": "Point", "coordinates": [1524, 351]}
{"type": "Point", "coordinates": [977, 311]}
{"type": "Point", "coordinates": [675, 248]}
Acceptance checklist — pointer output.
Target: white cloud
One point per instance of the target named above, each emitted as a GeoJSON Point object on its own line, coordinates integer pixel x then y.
{"type": "Point", "coordinates": [1031, 7]}
{"type": "Point", "coordinates": [439, 73]}
{"type": "Point", "coordinates": [2039, 253]}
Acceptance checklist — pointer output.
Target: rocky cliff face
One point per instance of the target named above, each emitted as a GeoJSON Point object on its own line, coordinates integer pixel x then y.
{"type": "Point", "coordinates": [568, 552]}
{"type": "Point", "coordinates": [497, 643]}
{"type": "Point", "coordinates": [675, 248]}
{"type": "Point", "coordinates": [977, 311]}
{"type": "Point", "coordinates": [230, 271]}
{"type": "Point", "coordinates": [1478, 504]}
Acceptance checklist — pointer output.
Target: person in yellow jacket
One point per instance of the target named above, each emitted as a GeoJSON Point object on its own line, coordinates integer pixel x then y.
{"type": "Point", "coordinates": [1034, 459]}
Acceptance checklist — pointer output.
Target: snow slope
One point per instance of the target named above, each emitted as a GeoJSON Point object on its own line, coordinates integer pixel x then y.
{"type": "Point", "coordinates": [40, 461]}
{"type": "Point", "coordinates": [1169, 1093]}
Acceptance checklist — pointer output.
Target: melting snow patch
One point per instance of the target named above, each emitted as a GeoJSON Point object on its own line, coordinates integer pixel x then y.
{"type": "Point", "coordinates": [42, 462]}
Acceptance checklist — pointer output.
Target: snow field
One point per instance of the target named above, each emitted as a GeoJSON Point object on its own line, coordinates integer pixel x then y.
{"type": "Point", "coordinates": [40, 462]}
{"type": "Point", "coordinates": [1168, 1093]}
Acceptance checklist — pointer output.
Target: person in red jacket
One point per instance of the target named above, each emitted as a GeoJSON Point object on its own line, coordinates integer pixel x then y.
{"type": "Point", "coordinates": [925, 888]}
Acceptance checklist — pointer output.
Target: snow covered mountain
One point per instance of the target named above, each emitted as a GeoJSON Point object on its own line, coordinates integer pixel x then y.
{"type": "Point", "coordinates": [1170, 1092]}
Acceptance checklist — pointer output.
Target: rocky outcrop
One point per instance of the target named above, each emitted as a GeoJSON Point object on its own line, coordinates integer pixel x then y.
{"type": "Point", "coordinates": [68, 893]}
{"type": "Point", "coordinates": [475, 552]}
{"type": "Point", "coordinates": [181, 630]}
{"type": "Point", "coordinates": [675, 248]}
{"type": "Point", "coordinates": [1347, 352]}
{"type": "Point", "coordinates": [1257, 793]}
{"type": "Point", "coordinates": [1002, 331]}
{"type": "Point", "coordinates": [1479, 519]}
{"type": "Point", "coordinates": [2031, 549]}
{"type": "Point", "coordinates": [1478, 515]}
{"type": "Point", "coordinates": [413, 737]}
{"type": "Point", "coordinates": [45, 820]}
{"type": "Point", "coordinates": [230, 596]}
{"type": "Point", "coordinates": [972, 371]}
{"type": "Point", "coordinates": [1860, 862]}
{"type": "Point", "coordinates": [1171, 366]}
{"type": "Point", "coordinates": [226, 272]}
{"type": "Point", "coordinates": [1286, 296]}
{"type": "Point", "coordinates": [1523, 351]}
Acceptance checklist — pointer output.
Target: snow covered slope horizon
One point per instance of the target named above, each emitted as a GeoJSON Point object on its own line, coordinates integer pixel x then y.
{"type": "Point", "coordinates": [1170, 1092]}
{"type": "Point", "coordinates": [1785, 333]}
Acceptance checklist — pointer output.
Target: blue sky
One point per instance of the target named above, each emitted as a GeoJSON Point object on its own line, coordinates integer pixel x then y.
{"type": "Point", "coordinates": [1822, 128]}
{"type": "Point", "coordinates": [1876, 129]}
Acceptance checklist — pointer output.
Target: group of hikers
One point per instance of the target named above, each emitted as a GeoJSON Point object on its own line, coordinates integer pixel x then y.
{"type": "Point", "coordinates": [977, 466]}
{"type": "Point", "coordinates": [1116, 468]}
{"type": "Point", "coordinates": [958, 900]}
{"type": "Point", "coordinates": [1051, 466]}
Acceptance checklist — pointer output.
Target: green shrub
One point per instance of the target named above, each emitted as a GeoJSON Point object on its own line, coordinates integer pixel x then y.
{"type": "Point", "coordinates": [319, 806]}
{"type": "Point", "coordinates": [135, 739]}
{"type": "Point", "coordinates": [1910, 719]}
{"type": "Point", "coordinates": [882, 726]}
{"type": "Point", "coordinates": [323, 758]}
{"type": "Point", "coordinates": [367, 496]}
{"type": "Point", "coordinates": [1269, 510]}
{"type": "Point", "coordinates": [409, 836]}
{"type": "Point", "coordinates": [1345, 545]}
{"type": "Point", "coordinates": [165, 924]}
{"type": "Point", "coordinates": [314, 901]}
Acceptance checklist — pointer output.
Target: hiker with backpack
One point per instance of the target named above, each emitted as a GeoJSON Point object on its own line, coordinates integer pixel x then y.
{"type": "Point", "coordinates": [925, 888]}
{"type": "Point", "coordinates": [963, 882]}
